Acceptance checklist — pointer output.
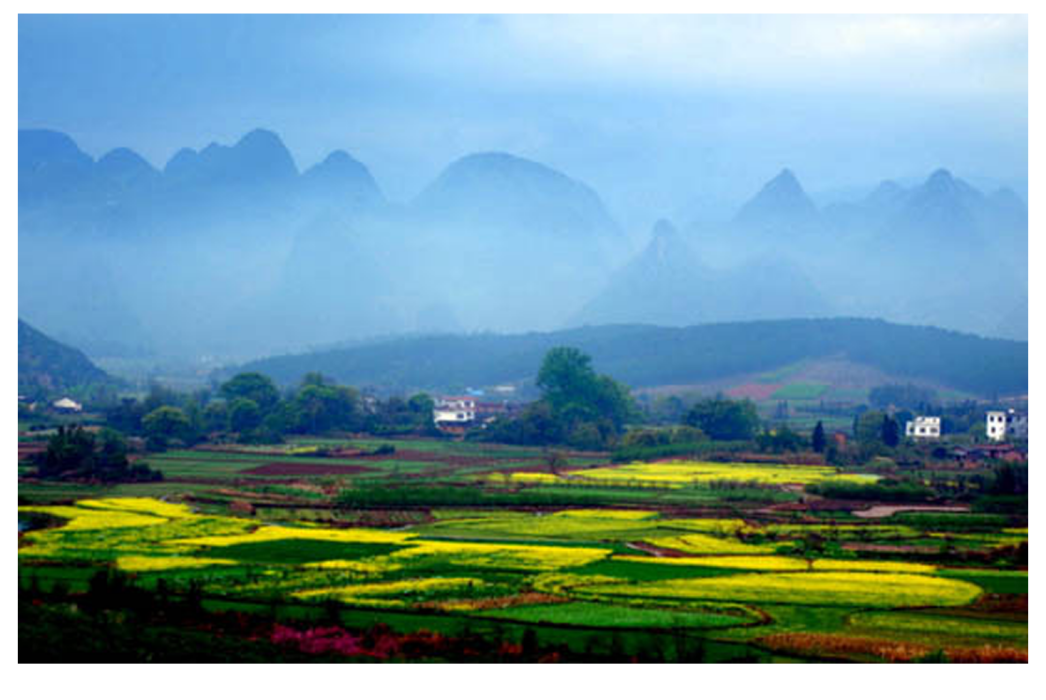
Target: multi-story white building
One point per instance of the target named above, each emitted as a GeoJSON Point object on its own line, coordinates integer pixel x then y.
{"type": "Point", "coordinates": [1000, 425]}
{"type": "Point", "coordinates": [923, 428]}
{"type": "Point", "coordinates": [454, 411]}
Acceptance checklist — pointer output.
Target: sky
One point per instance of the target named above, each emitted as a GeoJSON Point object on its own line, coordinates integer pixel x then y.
{"type": "Point", "coordinates": [665, 116]}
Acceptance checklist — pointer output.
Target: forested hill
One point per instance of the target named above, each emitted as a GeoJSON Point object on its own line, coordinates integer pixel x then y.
{"type": "Point", "coordinates": [47, 367]}
{"type": "Point", "coordinates": [642, 355]}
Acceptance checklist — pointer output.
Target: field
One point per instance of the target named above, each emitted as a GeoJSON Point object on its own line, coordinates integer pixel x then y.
{"type": "Point", "coordinates": [488, 549]}
{"type": "Point", "coordinates": [675, 474]}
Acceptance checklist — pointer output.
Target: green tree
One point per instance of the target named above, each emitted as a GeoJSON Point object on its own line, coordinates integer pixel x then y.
{"type": "Point", "coordinates": [244, 415]}
{"type": "Point", "coordinates": [891, 432]}
{"type": "Point", "coordinates": [724, 419]}
{"type": "Point", "coordinates": [869, 427]}
{"type": "Point", "coordinates": [817, 440]}
{"type": "Point", "coordinates": [167, 422]}
{"type": "Point", "coordinates": [323, 407]}
{"type": "Point", "coordinates": [215, 417]}
{"type": "Point", "coordinates": [252, 386]}
{"type": "Point", "coordinates": [576, 394]}
{"type": "Point", "coordinates": [74, 453]}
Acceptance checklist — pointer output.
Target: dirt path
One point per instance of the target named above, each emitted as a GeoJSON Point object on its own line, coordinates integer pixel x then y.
{"type": "Point", "coordinates": [882, 511]}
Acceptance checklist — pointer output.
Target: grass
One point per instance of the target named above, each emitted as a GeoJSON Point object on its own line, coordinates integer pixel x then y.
{"type": "Point", "coordinates": [800, 391]}
{"type": "Point", "coordinates": [611, 616]}
{"type": "Point", "coordinates": [940, 629]}
{"type": "Point", "coordinates": [992, 581]}
{"type": "Point", "coordinates": [559, 573]}
{"type": "Point", "coordinates": [299, 551]}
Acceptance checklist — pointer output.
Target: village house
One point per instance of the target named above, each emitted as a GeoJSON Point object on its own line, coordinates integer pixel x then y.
{"type": "Point", "coordinates": [923, 428]}
{"type": "Point", "coordinates": [456, 414]}
{"type": "Point", "coordinates": [1003, 425]}
{"type": "Point", "coordinates": [454, 411]}
{"type": "Point", "coordinates": [67, 405]}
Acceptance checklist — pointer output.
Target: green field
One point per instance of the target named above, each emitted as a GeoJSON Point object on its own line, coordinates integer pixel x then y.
{"type": "Point", "coordinates": [656, 561]}
{"type": "Point", "coordinates": [569, 569]}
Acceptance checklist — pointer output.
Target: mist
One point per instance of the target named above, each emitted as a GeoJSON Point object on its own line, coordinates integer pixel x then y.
{"type": "Point", "coordinates": [235, 187]}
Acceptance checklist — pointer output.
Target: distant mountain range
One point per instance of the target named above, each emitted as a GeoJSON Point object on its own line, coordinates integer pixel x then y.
{"type": "Point", "coordinates": [231, 250]}
{"type": "Point", "coordinates": [651, 356]}
{"type": "Point", "coordinates": [47, 368]}
{"type": "Point", "coordinates": [668, 284]}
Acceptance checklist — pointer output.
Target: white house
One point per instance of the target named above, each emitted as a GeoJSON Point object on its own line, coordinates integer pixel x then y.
{"type": "Point", "coordinates": [68, 405]}
{"type": "Point", "coordinates": [1001, 425]}
{"type": "Point", "coordinates": [923, 427]}
{"type": "Point", "coordinates": [454, 411]}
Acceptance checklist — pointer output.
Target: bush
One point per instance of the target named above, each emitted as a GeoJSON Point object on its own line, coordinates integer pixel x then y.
{"type": "Point", "coordinates": [895, 492]}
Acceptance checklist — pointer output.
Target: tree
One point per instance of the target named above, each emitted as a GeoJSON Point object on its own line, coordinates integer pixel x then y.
{"type": "Point", "coordinates": [167, 422]}
{"type": "Point", "coordinates": [315, 379]}
{"type": "Point", "coordinates": [901, 396]}
{"type": "Point", "coordinates": [891, 432]}
{"type": "Point", "coordinates": [576, 394]}
{"type": "Point", "coordinates": [868, 429]}
{"type": "Point", "coordinates": [818, 440]}
{"type": "Point", "coordinates": [74, 453]}
{"type": "Point", "coordinates": [724, 419]}
{"type": "Point", "coordinates": [322, 407]}
{"type": "Point", "coordinates": [566, 377]}
{"type": "Point", "coordinates": [244, 415]}
{"type": "Point", "coordinates": [252, 386]}
{"type": "Point", "coordinates": [215, 417]}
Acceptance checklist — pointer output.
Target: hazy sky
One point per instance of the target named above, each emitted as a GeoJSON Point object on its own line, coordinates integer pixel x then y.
{"type": "Point", "coordinates": [660, 114]}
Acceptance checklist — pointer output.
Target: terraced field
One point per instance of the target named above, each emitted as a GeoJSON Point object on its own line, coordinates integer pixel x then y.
{"type": "Point", "coordinates": [723, 581]}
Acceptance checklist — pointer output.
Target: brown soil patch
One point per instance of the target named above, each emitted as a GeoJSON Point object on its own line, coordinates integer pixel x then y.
{"type": "Point", "coordinates": [753, 390]}
{"type": "Point", "coordinates": [843, 646]}
{"type": "Point", "coordinates": [657, 551]}
{"type": "Point", "coordinates": [26, 450]}
{"type": "Point", "coordinates": [1001, 603]}
{"type": "Point", "coordinates": [304, 469]}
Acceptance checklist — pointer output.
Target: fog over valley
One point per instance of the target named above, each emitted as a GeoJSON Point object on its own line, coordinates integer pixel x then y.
{"type": "Point", "coordinates": [204, 191]}
{"type": "Point", "coordinates": [233, 251]}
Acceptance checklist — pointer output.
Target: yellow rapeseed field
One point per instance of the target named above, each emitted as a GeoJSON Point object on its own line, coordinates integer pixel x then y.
{"type": "Point", "coordinates": [818, 588]}
{"type": "Point", "coordinates": [676, 474]}
{"type": "Point", "coordinates": [697, 543]}
{"type": "Point", "coordinates": [138, 563]}
{"type": "Point", "coordinates": [269, 533]}
{"type": "Point", "coordinates": [96, 519]}
{"type": "Point", "coordinates": [387, 594]}
{"type": "Point", "coordinates": [784, 563]}
{"type": "Point", "coordinates": [500, 556]}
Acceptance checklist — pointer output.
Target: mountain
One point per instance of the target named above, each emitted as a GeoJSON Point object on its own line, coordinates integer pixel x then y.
{"type": "Point", "coordinates": [344, 182]}
{"type": "Point", "coordinates": [509, 243]}
{"type": "Point", "coordinates": [47, 368]}
{"type": "Point", "coordinates": [331, 286]}
{"type": "Point", "coordinates": [664, 284]}
{"type": "Point", "coordinates": [495, 188]}
{"type": "Point", "coordinates": [120, 257]}
{"type": "Point", "coordinates": [50, 165]}
{"type": "Point", "coordinates": [259, 157]}
{"type": "Point", "coordinates": [941, 210]}
{"type": "Point", "coordinates": [650, 356]}
{"type": "Point", "coordinates": [667, 284]}
{"type": "Point", "coordinates": [780, 209]}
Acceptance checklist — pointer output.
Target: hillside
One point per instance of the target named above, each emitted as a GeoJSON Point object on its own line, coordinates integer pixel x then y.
{"type": "Point", "coordinates": [667, 284]}
{"type": "Point", "coordinates": [47, 367]}
{"type": "Point", "coordinates": [648, 356]}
